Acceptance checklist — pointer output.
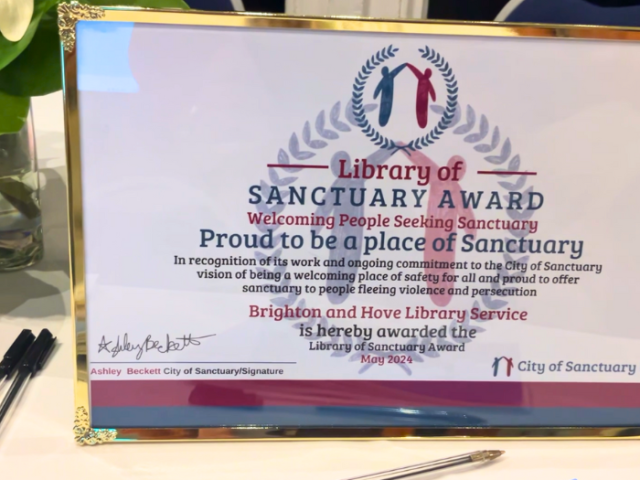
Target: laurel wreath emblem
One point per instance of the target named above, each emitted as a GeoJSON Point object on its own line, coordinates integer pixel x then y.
{"type": "Point", "coordinates": [359, 112]}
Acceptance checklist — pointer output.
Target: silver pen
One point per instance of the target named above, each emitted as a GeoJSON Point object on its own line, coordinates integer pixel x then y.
{"type": "Point", "coordinates": [420, 468]}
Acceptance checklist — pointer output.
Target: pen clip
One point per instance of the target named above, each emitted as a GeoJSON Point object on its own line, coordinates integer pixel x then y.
{"type": "Point", "coordinates": [45, 354]}
{"type": "Point", "coordinates": [16, 351]}
{"type": "Point", "coordinates": [38, 352]}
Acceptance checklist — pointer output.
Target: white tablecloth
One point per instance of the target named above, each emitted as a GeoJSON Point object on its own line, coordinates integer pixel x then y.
{"type": "Point", "coordinates": [38, 442]}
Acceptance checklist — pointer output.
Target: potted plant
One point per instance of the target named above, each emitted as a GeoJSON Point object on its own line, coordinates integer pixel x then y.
{"type": "Point", "coordinates": [29, 66]}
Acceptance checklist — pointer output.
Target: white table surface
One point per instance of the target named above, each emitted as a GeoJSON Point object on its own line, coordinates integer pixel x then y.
{"type": "Point", "coordinates": [38, 442]}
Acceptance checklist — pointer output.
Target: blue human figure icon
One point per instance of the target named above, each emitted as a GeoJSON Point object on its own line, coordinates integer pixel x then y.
{"type": "Point", "coordinates": [496, 365]}
{"type": "Point", "coordinates": [342, 232]}
{"type": "Point", "coordinates": [385, 91]}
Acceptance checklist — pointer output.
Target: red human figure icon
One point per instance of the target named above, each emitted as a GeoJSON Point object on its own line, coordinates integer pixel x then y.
{"type": "Point", "coordinates": [509, 365]}
{"type": "Point", "coordinates": [425, 90]}
{"type": "Point", "coordinates": [496, 365]}
{"type": "Point", "coordinates": [437, 189]}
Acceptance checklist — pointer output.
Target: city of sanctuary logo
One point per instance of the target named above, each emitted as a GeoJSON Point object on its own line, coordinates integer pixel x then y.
{"type": "Point", "coordinates": [503, 367]}
{"type": "Point", "coordinates": [507, 363]}
{"type": "Point", "coordinates": [381, 72]}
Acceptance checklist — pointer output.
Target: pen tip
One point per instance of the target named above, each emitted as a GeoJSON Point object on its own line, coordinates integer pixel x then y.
{"type": "Point", "coordinates": [486, 455]}
{"type": "Point", "coordinates": [493, 454]}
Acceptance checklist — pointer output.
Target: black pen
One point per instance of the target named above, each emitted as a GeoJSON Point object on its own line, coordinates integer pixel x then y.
{"type": "Point", "coordinates": [32, 362]}
{"type": "Point", "coordinates": [16, 351]}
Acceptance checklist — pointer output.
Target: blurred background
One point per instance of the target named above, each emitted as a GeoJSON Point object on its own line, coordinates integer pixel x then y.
{"type": "Point", "coordinates": [593, 12]}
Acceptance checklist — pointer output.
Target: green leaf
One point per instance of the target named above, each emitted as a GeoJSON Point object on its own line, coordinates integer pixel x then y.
{"type": "Point", "coordinates": [37, 70]}
{"type": "Point", "coordinates": [20, 196]}
{"type": "Point", "coordinates": [10, 50]}
{"type": "Point", "coordinates": [13, 112]}
{"type": "Point", "coordinates": [139, 3]}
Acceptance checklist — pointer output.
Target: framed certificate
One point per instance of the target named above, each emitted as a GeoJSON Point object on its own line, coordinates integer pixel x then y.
{"type": "Point", "coordinates": [288, 228]}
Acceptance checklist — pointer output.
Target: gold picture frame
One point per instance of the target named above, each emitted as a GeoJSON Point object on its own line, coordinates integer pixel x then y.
{"type": "Point", "coordinates": [69, 15]}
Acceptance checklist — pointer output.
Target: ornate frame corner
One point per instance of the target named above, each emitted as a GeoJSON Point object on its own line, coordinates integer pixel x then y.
{"type": "Point", "coordinates": [85, 435]}
{"type": "Point", "coordinates": [69, 14]}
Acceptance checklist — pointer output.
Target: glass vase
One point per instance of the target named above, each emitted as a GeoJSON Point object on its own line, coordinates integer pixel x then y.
{"type": "Point", "coordinates": [20, 220]}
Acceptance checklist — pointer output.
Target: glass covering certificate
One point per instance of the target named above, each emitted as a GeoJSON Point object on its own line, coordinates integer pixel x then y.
{"type": "Point", "coordinates": [304, 228]}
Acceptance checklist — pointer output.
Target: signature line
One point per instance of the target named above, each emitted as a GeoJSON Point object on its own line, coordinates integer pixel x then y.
{"type": "Point", "coordinates": [195, 363]}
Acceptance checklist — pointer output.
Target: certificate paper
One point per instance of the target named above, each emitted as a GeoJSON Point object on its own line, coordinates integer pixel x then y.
{"type": "Point", "coordinates": [302, 228]}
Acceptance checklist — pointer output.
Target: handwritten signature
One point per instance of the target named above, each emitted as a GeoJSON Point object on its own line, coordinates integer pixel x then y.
{"type": "Point", "coordinates": [166, 345]}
